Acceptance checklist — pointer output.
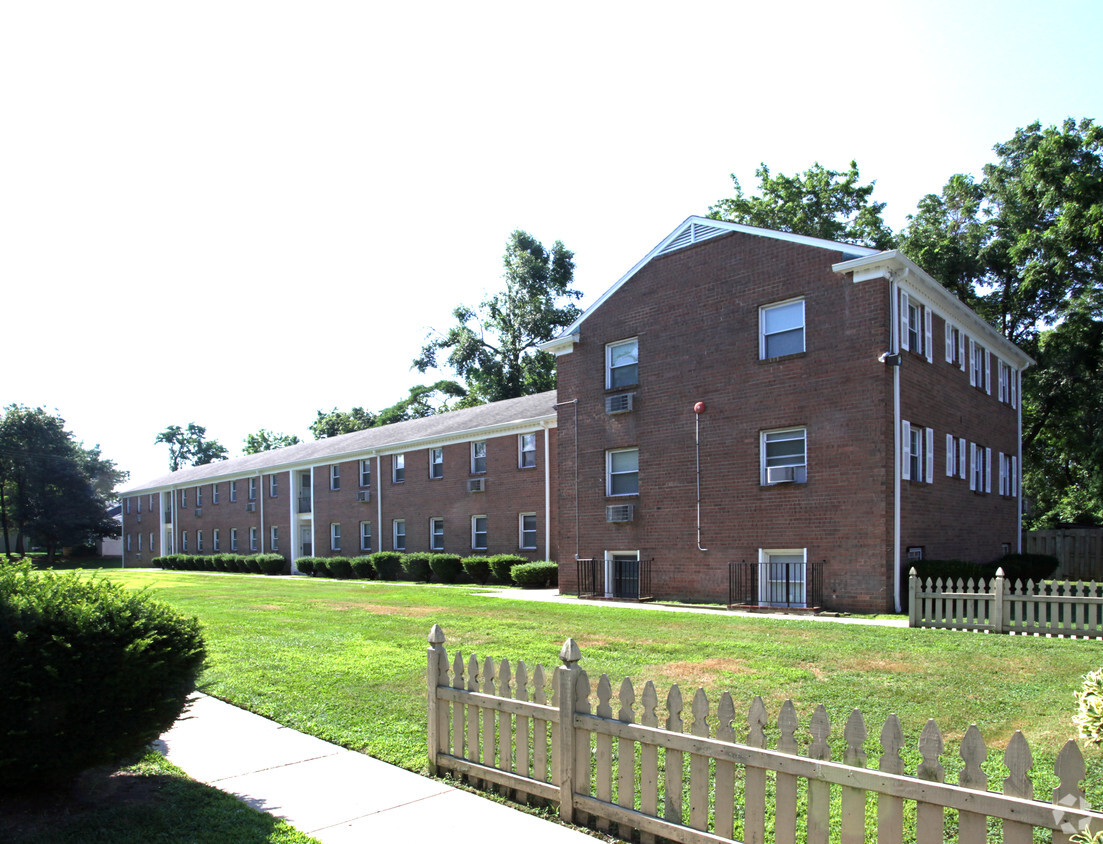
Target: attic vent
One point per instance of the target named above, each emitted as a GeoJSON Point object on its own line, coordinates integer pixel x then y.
{"type": "Point", "coordinates": [620, 513]}
{"type": "Point", "coordinates": [476, 485]}
{"type": "Point", "coordinates": [621, 403]}
{"type": "Point", "coordinates": [691, 234]}
{"type": "Point", "coordinates": [363, 495]}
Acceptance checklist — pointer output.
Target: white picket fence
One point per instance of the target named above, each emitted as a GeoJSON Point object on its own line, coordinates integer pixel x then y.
{"type": "Point", "coordinates": [625, 770]}
{"type": "Point", "coordinates": [1066, 608]}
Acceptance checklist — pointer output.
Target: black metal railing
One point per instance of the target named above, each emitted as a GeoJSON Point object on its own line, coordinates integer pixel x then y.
{"type": "Point", "coordinates": [627, 580]}
{"type": "Point", "coordinates": [776, 584]}
{"type": "Point", "coordinates": [304, 503]}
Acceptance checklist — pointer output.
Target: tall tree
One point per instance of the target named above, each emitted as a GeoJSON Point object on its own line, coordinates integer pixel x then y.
{"type": "Point", "coordinates": [337, 422]}
{"type": "Point", "coordinates": [265, 440]}
{"type": "Point", "coordinates": [818, 203]}
{"type": "Point", "coordinates": [493, 348]}
{"type": "Point", "coordinates": [425, 401]}
{"type": "Point", "coordinates": [190, 446]}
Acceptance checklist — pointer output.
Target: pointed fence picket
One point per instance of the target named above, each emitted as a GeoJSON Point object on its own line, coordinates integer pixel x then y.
{"type": "Point", "coordinates": [610, 769]}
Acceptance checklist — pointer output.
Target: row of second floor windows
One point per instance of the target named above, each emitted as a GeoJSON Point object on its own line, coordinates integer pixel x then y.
{"type": "Point", "coordinates": [964, 461]}
{"type": "Point", "coordinates": [479, 534]}
{"type": "Point", "coordinates": [239, 540]}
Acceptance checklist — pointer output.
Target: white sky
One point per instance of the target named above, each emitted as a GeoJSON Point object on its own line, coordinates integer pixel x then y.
{"type": "Point", "coordinates": [239, 213]}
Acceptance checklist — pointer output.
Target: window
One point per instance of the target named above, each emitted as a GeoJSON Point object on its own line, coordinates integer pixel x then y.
{"type": "Point", "coordinates": [140, 543]}
{"type": "Point", "coordinates": [1008, 391]}
{"type": "Point", "coordinates": [436, 463]}
{"type": "Point", "coordinates": [139, 504]}
{"type": "Point", "coordinates": [781, 329]}
{"type": "Point", "coordinates": [784, 458]}
{"type": "Point", "coordinates": [198, 541]}
{"type": "Point", "coordinates": [398, 535]}
{"type": "Point", "coordinates": [365, 536]}
{"type": "Point", "coordinates": [184, 498]}
{"type": "Point", "coordinates": [978, 367]}
{"type": "Point", "coordinates": [365, 473]}
{"type": "Point", "coordinates": [199, 496]}
{"type": "Point", "coordinates": [1008, 475]}
{"type": "Point", "coordinates": [917, 461]}
{"type": "Point", "coordinates": [915, 553]}
{"type": "Point", "coordinates": [622, 472]}
{"type": "Point", "coordinates": [335, 476]}
{"type": "Point", "coordinates": [233, 539]}
{"type": "Point", "coordinates": [275, 539]}
{"type": "Point", "coordinates": [915, 326]}
{"type": "Point", "coordinates": [233, 490]}
{"type": "Point", "coordinates": [216, 540]}
{"type": "Point", "coordinates": [128, 543]}
{"type": "Point", "coordinates": [128, 506]}
{"type": "Point", "coordinates": [273, 486]}
{"type": "Point", "coordinates": [478, 457]}
{"type": "Point", "coordinates": [334, 536]}
{"type": "Point", "coordinates": [528, 531]}
{"type": "Point", "coordinates": [151, 505]}
{"type": "Point", "coordinates": [398, 468]}
{"type": "Point", "coordinates": [951, 456]}
{"type": "Point", "coordinates": [252, 539]}
{"type": "Point", "coordinates": [184, 541]}
{"type": "Point", "coordinates": [526, 444]}
{"type": "Point", "coordinates": [214, 493]}
{"type": "Point", "coordinates": [252, 489]}
{"type": "Point", "coordinates": [150, 546]}
{"type": "Point", "coordinates": [955, 346]}
{"type": "Point", "coordinates": [622, 364]}
{"type": "Point", "coordinates": [436, 534]}
{"type": "Point", "coordinates": [782, 576]}
{"type": "Point", "coordinates": [980, 461]}
{"type": "Point", "coordinates": [478, 533]}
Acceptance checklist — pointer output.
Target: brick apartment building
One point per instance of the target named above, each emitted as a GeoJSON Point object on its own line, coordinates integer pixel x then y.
{"type": "Point", "coordinates": [819, 411]}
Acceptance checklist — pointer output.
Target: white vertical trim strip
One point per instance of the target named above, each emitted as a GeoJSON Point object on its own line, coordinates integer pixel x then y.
{"type": "Point", "coordinates": [930, 455]}
{"type": "Point", "coordinates": [928, 330]}
{"type": "Point", "coordinates": [951, 452]}
{"type": "Point", "coordinates": [905, 326]}
{"type": "Point", "coordinates": [949, 342]}
{"type": "Point", "coordinates": [905, 450]}
{"type": "Point", "coordinates": [988, 470]}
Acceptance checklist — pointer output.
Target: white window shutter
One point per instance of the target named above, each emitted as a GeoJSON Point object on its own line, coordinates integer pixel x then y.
{"type": "Point", "coordinates": [988, 470]}
{"type": "Point", "coordinates": [972, 368]}
{"type": "Point", "coordinates": [988, 371]}
{"type": "Point", "coordinates": [930, 455]}
{"type": "Point", "coordinates": [928, 332]}
{"type": "Point", "coordinates": [1014, 476]}
{"type": "Point", "coordinates": [972, 466]}
{"type": "Point", "coordinates": [949, 342]}
{"type": "Point", "coordinates": [906, 450]}
{"type": "Point", "coordinates": [962, 468]}
{"type": "Point", "coordinates": [961, 352]}
{"type": "Point", "coordinates": [1003, 474]}
{"type": "Point", "coordinates": [951, 449]}
{"type": "Point", "coordinates": [1013, 376]}
{"type": "Point", "coordinates": [904, 342]}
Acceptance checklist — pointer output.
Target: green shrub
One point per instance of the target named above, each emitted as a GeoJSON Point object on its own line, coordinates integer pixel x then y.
{"type": "Point", "coordinates": [417, 567]}
{"type": "Point", "coordinates": [446, 567]}
{"type": "Point", "coordinates": [340, 567]}
{"type": "Point", "coordinates": [536, 575]}
{"type": "Point", "coordinates": [387, 564]}
{"type": "Point", "coordinates": [91, 674]}
{"type": "Point", "coordinates": [1089, 708]}
{"type": "Point", "coordinates": [1026, 567]}
{"type": "Point", "coordinates": [210, 564]}
{"type": "Point", "coordinates": [477, 568]}
{"type": "Point", "coordinates": [502, 564]}
{"type": "Point", "coordinates": [948, 570]}
{"type": "Point", "coordinates": [272, 563]}
{"type": "Point", "coordinates": [305, 565]}
{"type": "Point", "coordinates": [156, 562]}
{"type": "Point", "coordinates": [321, 567]}
{"type": "Point", "coordinates": [363, 568]}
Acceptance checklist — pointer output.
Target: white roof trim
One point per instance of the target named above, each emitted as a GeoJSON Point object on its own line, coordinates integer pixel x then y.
{"type": "Point", "coordinates": [691, 231]}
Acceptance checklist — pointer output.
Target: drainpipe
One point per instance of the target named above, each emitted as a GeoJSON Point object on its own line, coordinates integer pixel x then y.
{"type": "Point", "coordinates": [894, 316]}
{"type": "Point", "coordinates": [576, 535]}
{"type": "Point", "coordinates": [698, 409]}
{"type": "Point", "coordinates": [547, 494]}
{"type": "Point", "coordinates": [379, 501]}
{"type": "Point", "coordinates": [292, 521]}
{"type": "Point", "coordinates": [260, 495]}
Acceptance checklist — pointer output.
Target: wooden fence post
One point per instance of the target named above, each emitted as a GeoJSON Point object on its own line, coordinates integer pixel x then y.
{"type": "Point", "coordinates": [1001, 610]}
{"type": "Point", "coordinates": [913, 604]}
{"type": "Point", "coordinates": [566, 681]}
{"type": "Point", "coordinates": [437, 661]}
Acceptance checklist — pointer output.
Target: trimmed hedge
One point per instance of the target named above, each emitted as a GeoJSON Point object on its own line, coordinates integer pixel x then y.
{"type": "Point", "coordinates": [1026, 567]}
{"type": "Point", "coordinates": [91, 674]}
{"type": "Point", "coordinates": [536, 575]}
{"type": "Point", "coordinates": [477, 568]}
{"type": "Point", "coordinates": [417, 567]}
{"type": "Point", "coordinates": [362, 568]}
{"type": "Point", "coordinates": [252, 564]}
{"type": "Point", "coordinates": [387, 564]}
{"type": "Point", "coordinates": [502, 564]}
{"type": "Point", "coordinates": [339, 567]}
{"type": "Point", "coordinates": [321, 567]}
{"type": "Point", "coordinates": [305, 565]}
{"type": "Point", "coordinates": [446, 567]}
{"type": "Point", "coordinates": [1022, 567]}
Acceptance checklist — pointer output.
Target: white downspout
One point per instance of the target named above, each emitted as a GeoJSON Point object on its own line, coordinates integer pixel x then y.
{"type": "Point", "coordinates": [379, 501]}
{"type": "Point", "coordinates": [547, 494]}
{"type": "Point", "coordinates": [894, 316]}
{"type": "Point", "coordinates": [292, 521]}
{"type": "Point", "coordinates": [260, 495]}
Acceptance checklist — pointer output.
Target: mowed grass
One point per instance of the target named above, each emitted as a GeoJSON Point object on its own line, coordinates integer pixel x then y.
{"type": "Point", "coordinates": [345, 661]}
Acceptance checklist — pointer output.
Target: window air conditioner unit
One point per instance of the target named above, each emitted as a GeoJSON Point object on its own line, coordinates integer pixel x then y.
{"type": "Point", "coordinates": [199, 511]}
{"type": "Point", "coordinates": [476, 485]}
{"type": "Point", "coordinates": [621, 403]}
{"type": "Point", "coordinates": [251, 507]}
{"type": "Point", "coordinates": [620, 513]}
{"type": "Point", "coordinates": [781, 474]}
{"type": "Point", "coordinates": [363, 495]}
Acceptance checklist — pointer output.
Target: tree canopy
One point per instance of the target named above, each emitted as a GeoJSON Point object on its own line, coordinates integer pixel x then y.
{"type": "Point", "coordinates": [190, 446]}
{"type": "Point", "coordinates": [493, 348]}
{"type": "Point", "coordinates": [337, 422]}
{"type": "Point", "coordinates": [53, 490]}
{"type": "Point", "coordinates": [265, 440]}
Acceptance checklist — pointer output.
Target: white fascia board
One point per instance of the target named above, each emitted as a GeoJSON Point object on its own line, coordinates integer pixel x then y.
{"type": "Point", "coordinates": [560, 344]}
{"type": "Point", "coordinates": [894, 264]}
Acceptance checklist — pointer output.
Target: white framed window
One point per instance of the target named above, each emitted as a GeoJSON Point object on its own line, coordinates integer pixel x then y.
{"type": "Point", "coordinates": [128, 506]}
{"type": "Point", "coordinates": [526, 451]}
{"type": "Point", "coordinates": [980, 462]}
{"type": "Point", "coordinates": [198, 541]}
{"type": "Point", "coordinates": [962, 464]}
{"type": "Point", "coordinates": [781, 329]}
{"type": "Point", "coordinates": [252, 539]}
{"type": "Point", "coordinates": [335, 476]}
{"type": "Point", "coordinates": [398, 468]}
{"type": "Point", "coordinates": [334, 536]}
{"type": "Point", "coordinates": [916, 325]}
{"type": "Point", "coordinates": [436, 534]}
{"type": "Point", "coordinates": [216, 540]}
{"type": "Point", "coordinates": [128, 543]}
{"type": "Point", "coordinates": [527, 531]}
{"type": "Point", "coordinates": [152, 507]}
{"type": "Point", "coordinates": [622, 364]}
{"type": "Point", "coordinates": [365, 473]}
{"type": "Point", "coordinates": [436, 463]}
{"type": "Point", "coordinates": [782, 577]}
{"type": "Point", "coordinates": [139, 543]}
{"type": "Point", "coordinates": [951, 456]}
{"type": "Point", "coordinates": [365, 536]}
{"type": "Point", "coordinates": [233, 491]}
{"type": "Point", "coordinates": [979, 360]}
{"type": "Point", "coordinates": [622, 471]}
{"type": "Point", "coordinates": [199, 496]}
{"type": "Point", "coordinates": [784, 456]}
{"type": "Point", "coordinates": [184, 498]}
{"type": "Point", "coordinates": [184, 541]}
{"type": "Point", "coordinates": [478, 457]}
{"type": "Point", "coordinates": [955, 346]}
{"type": "Point", "coordinates": [273, 486]}
{"type": "Point", "coordinates": [139, 504]}
{"type": "Point", "coordinates": [918, 458]}
{"type": "Point", "coordinates": [150, 546]}
{"type": "Point", "coordinates": [398, 535]}
{"type": "Point", "coordinates": [274, 539]}
{"type": "Point", "coordinates": [1008, 475]}
{"type": "Point", "coordinates": [233, 539]}
{"type": "Point", "coordinates": [214, 493]}
{"type": "Point", "coordinates": [1008, 381]}
{"type": "Point", "coordinates": [252, 489]}
{"type": "Point", "coordinates": [478, 533]}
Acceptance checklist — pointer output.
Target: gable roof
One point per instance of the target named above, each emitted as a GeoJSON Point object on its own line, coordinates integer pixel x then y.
{"type": "Point", "coordinates": [487, 420]}
{"type": "Point", "coordinates": [690, 232]}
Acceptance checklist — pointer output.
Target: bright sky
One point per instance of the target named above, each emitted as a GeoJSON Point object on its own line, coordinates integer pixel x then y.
{"type": "Point", "coordinates": [239, 213]}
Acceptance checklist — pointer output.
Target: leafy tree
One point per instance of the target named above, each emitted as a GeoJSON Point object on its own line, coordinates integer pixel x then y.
{"type": "Point", "coordinates": [818, 203]}
{"type": "Point", "coordinates": [190, 446]}
{"type": "Point", "coordinates": [338, 422]}
{"type": "Point", "coordinates": [265, 440]}
{"type": "Point", "coordinates": [493, 348]}
{"type": "Point", "coordinates": [426, 401]}
{"type": "Point", "coordinates": [51, 488]}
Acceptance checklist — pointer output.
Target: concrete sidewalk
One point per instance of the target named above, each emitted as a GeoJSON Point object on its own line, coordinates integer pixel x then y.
{"type": "Point", "coordinates": [336, 795]}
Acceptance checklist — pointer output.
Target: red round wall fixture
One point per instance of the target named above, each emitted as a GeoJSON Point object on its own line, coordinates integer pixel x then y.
{"type": "Point", "coordinates": [699, 407]}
